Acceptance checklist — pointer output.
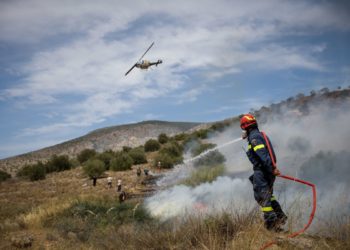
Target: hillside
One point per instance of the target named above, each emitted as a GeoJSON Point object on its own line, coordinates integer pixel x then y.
{"type": "Point", "coordinates": [64, 210]}
{"type": "Point", "coordinates": [113, 138]}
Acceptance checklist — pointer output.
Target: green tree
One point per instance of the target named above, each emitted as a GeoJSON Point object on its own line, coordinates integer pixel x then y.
{"type": "Point", "coordinates": [211, 159]}
{"type": "Point", "coordinates": [166, 161]}
{"type": "Point", "coordinates": [33, 172]}
{"type": "Point", "coordinates": [58, 163]}
{"type": "Point", "coordinates": [4, 176]}
{"type": "Point", "coordinates": [181, 137]}
{"type": "Point", "coordinates": [163, 138]}
{"type": "Point", "coordinates": [173, 149]}
{"type": "Point", "coordinates": [152, 145]}
{"type": "Point", "coordinates": [169, 155]}
{"type": "Point", "coordinates": [85, 155]}
{"type": "Point", "coordinates": [106, 157]}
{"type": "Point", "coordinates": [122, 161]}
{"type": "Point", "coordinates": [138, 155]}
{"type": "Point", "coordinates": [200, 148]}
{"type": "Point", "coordinates": [202, 133]}
{"type": "Point", "coordinates": [126, 149]}
{"type": "Point", "coordinates": [38, 172]}
{"type": "Point", "coordinates": [94, 168]}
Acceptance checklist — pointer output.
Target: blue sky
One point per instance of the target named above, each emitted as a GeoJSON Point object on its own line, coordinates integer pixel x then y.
{"type": "Point", "coordinates": [62, 63]}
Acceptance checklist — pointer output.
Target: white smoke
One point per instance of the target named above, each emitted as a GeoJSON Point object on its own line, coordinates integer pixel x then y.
{"type": "Point", "coordinates": [296, 139]}
{"type": "Point", "coordinates": [221, 195]}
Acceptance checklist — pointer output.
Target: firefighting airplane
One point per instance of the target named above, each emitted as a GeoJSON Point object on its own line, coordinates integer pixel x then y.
{"type": "Point", "coordinates": [144, 64]}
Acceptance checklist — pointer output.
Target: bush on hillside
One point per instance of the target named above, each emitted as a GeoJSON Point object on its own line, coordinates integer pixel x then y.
{"type": "Point", "coordinates": [163, 138]}
{"type": "Point", "coordinates": [106, 157]}
{"type": "Point", "coordinates": [33, 172]}
{"type": "Point", "coordinates": [126, 149]}
{"type": "Point", "coordinates": [85, 155]}
{"type": "Point", "coordinates": [173, 149]}
{"type": "Point", "coordinates": [121, 162]}
{"type": "Point", "coordinates": [75, 163]}
{"type": "Point", "coordinates": [138, 155]}
{"type": "Point", "coordinates": [200, 148]}
{"type": "Point", "coordinates": [180, 137]}
{"type": "Point", "coordinates": [220, 126]}
{"type": "Point", "coordinates": [152, 145]}
{"type": "Point", "coordinates": [166, 161]}
{"type": "Point", "coordinates": [58, 163]}
{"type": "Point", "coordinates": [204, 174]}
{"type": "Point", "coordinates": [169, 155]}
{"type": "Point", "coordinates": [4, 176]}
{"type": "Point", "coordinates": [211, 159]}
{"type": "Point", "coordinates": [202, 133]}
{"type": "Point", "coordinates": [94, 168]}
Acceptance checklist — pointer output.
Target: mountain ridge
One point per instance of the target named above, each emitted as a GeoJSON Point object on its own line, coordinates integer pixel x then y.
{"type": "Point", "coordinates": [135, 134]}
{"type": "Point", "coordinates": [113, 138]}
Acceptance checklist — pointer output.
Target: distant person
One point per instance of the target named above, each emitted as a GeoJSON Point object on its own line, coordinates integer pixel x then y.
{"type": "Point", "coordinates": [138, 171]}
{"type": "Point", "coordinates": [109, 181]}
{"type": "Point", "coordinates": [119, 185]}
{"type": "Point", "coordinates": [159, 165]}
{"type": "Point", "coordinates": [262, 156]}
{"type": "Point", "coordinates": [122, 197]}
{"type": "Point", "coordinates": [146, 171]}
{"type": "Point", "coordinates": [94, 181]}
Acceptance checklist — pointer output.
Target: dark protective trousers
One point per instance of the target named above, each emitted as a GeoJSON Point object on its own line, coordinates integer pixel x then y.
{"type": "Point", "coordinates": [263, 194]}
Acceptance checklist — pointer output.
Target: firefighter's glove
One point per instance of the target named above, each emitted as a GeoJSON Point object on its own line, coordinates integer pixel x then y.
{"type": "Point", "coordinates": [276, 172]}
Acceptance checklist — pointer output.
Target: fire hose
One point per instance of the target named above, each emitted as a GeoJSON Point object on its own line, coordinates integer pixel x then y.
{"type": "Point", "coordinates": [313, 186]}
{"type": "Point", "coordinates": [314, 198]}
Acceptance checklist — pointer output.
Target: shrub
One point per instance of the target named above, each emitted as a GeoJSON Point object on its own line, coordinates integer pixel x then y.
{"type": "Point", "coordinates": [138, 156]}
{"type": "Point", "coordinates": [210, 159]}
{"type": "Point", "coordinates": [24, 171]}
{"type": "Point", "coordinates": [163, 138]}
{"type": "Point", "coordinates": [122, 161]}
{"type": "Point", "coordinates": [85, 155]}
{"type": "Point", "coordinates": [166, 161]}
{"type": "Point", "coordinates": [173, 149]}
{"type": "Point", "coordinates": [204, 174]}
{"type": "Point", "coordinates": [181, 137]}
{"type": "Point", "coordinates": [200, 148]}
{"type": "Point", "coordinates": [169, 155]}
{"type": "Point", "coordinates": [4, 176]}
{"type": "Point", "coordinates": [58, 163]}
{"type": "Point", "coordinates": [106, 157]}
{"type": "Point", "coordinates": [220, 126]}
{"type": "Point", "coordinates": [33, 172]}
{"type": "Point", "coordinates": [202, 133]}
{"type": "Point", "coordinates": [74, 162]}
{"type": "Point", "coordinates": [94, 168]}
{"type": "Point", "coordinates": [152, 145]}
{"type": "Point", "coordinates": [38, 172]}
{"type": "Point", "coordinates": [126, 149]}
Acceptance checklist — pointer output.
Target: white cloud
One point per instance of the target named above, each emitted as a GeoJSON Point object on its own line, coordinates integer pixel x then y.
{"type": "Point", "coordinates": [208, 37]}
{"type": "Point", "coordinates": [190, 95]}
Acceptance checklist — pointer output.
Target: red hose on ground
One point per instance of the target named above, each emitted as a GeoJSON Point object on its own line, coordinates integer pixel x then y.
{"type": "Point", "coordinates": [314, 199]}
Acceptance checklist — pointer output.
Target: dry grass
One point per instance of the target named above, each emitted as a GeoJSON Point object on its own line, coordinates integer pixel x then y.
{"type": "Point", "coordinates": [47, 209]}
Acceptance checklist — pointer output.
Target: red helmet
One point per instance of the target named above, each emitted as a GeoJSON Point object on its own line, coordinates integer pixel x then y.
{"type": "Point", "coordinates": [247, 120]}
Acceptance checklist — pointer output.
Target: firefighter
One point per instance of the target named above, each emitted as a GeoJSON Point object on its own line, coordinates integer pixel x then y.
{"type": "Point", "coordinates": [265, 172]}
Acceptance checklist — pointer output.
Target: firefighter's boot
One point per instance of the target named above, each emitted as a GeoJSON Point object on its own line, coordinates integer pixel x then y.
{"type": "Point", "coordinates": [272, 222]}
{"type": "Point", "coordinates": [281, 216]}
